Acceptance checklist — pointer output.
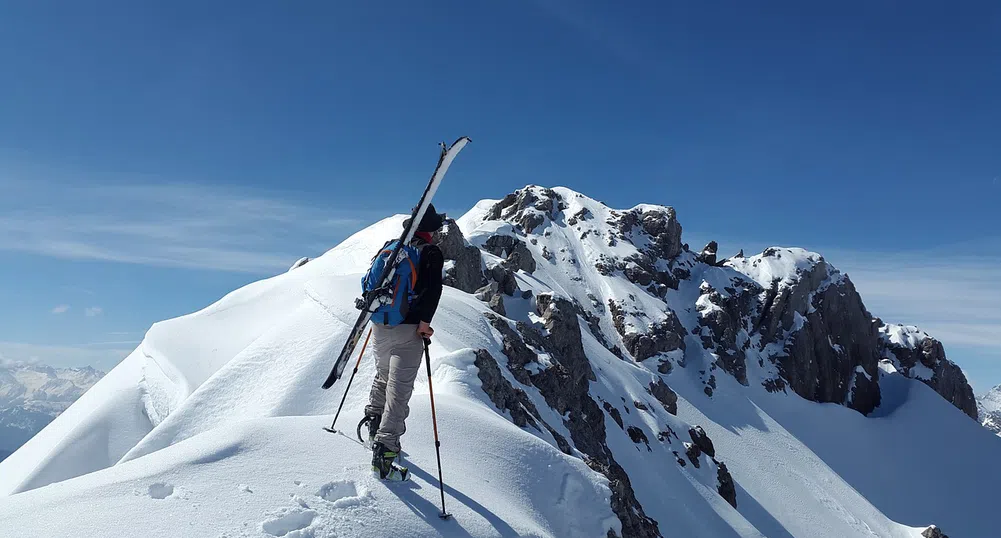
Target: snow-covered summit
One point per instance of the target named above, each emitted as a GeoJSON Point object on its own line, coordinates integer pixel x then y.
{"type": "Point", "coordinates": [593, 375]}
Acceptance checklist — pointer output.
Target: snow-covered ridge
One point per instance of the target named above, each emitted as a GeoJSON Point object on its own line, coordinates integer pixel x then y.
{"type": "Point", "coordinates": [594, 377]}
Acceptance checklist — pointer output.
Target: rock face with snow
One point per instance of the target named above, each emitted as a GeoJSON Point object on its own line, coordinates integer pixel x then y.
{"type": "Point", "coordinates": [464, 271]}
{"type": "Point", "coordinates": [31, 396]}
{"type": "Point", "coordinates": [914, 353]}
{"type": "Point", "coordinates": [585, 363]}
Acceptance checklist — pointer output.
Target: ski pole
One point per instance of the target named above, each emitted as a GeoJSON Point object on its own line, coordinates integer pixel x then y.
{"type": "Point", "coordinates": [347, 388]}
{"type": "Point", "coordinates": [434, 421]}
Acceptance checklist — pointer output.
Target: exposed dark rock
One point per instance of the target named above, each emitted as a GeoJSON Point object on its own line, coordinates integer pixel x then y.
{"type": "Point", "coordinates": [933, 532]}
{"type": "Point", "coordinates": [498, 209]}
{"type": "Point", "coordinates": [725, 485]}
{"type": "Point", "coordinates": [614, 412]}
{"type": "Point", "coordinates": [708, 254]}
{"type": "Point", "coordinates": [565, 385]}
{"type": "Point", "coordinates": [561, 322]}
{"type": "Point", "coordinates": [681, 461]}
{"type": "Point", "coordinates": [702, 440]}
{"type": "Point", "coordinates": [640, 405]}
{"type": "Point", "coordinates": [665, 396]}
{"type": "Point", "coordinates": [593, 324]}
{"type": "Point", "coordinates": [501, 393]}
{"type": "Point", "coordinates": [948, 379]}
{"type": "Point", "coordinates": [497, 304]}
{"type": "Point", "coordinates": [641, 269]}
{"type": "Point", "coordinates": [583, 214]}
{"type": "Point", "coordinates": [466, 273]}
{"type": "Point", "coordinates": [665, 366]}
{"type": "Point", "coordinates": [828, 333]}
{"type": "Point", "coordinates": [487, 292]}
{"type": "Point", "coordinates": [638, 436]}
{"type": "Point", "coordinates": [661, 337]}
{"type": "Point", "coordinates": [635, 522]}
{"type": "Point", "coordinates": [774, 385]}
{"type": "Point", "coordinates": [660, 224]}
{"type": "Point", "coordinates": [727, 322]}
{"type": "Point", "coordinates": [505, 278]}
{"type": "Point", "coordinates": [518, 354]}
{"type": "Point", "coordinates": [693, 452]}
{"type": "Point", "coordinates": [527, 207]}
{"type": "Point", "coordinates": [515, 251]}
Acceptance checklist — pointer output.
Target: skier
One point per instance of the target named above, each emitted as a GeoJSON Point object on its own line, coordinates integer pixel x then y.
{"type": "Point", "coordinates": [399, 348]}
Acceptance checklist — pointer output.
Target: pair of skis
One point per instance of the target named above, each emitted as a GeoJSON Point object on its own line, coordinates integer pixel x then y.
{"type": "Point", "coordinates": [368, 304]}
{"type": "Point", "coordinates": [448, 154]}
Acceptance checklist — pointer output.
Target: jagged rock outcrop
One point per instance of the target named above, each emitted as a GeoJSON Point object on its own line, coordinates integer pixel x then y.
{"type": "Point", "coordinates": [514, 401]}
{"type": "Point", "coordinates": [826, 331]}
{"type": "Point", "coordinates": [702, 440]}
{"type": "Point", "coordinates": [660, 337]}
{"type": "Point", "coordinates": [724, 484]}
{"type": "Point", "coordinates": [726, 316]}
{"type": "Point", "coordinates": [667, 397]}
{"type": "Point", "coordinates": [565, 386]}
{"type": "Point", "coordinates": [918, 355]}
{"type": "Point", "coordinates": [527, 209]}
{"type": "Point", "coordinates": [659, 223]}
{"type": "Point", "coordinates": [933, 532]}
{"type": "Point", "coordinates": [515, 252]}
{"type": "Point", "coordinates": [708, 253]}
{"type": "Point", "coordinates": [466, 271]}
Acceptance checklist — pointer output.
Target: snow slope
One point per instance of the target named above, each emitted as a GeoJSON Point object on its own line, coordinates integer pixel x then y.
{"type": "Point", "coordinates": [212, 426]}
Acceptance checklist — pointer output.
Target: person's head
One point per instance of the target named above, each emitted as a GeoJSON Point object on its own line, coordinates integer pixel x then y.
{"type": "Point", "coordinates": [432, 222]}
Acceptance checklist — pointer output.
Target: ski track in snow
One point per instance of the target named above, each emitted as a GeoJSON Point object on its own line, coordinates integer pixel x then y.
{"type": "Point", "coordinates": [214, 425]}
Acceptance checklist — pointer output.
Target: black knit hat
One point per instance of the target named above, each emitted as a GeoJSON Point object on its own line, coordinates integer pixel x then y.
{"type": "Point", "coordinates": [432, 221]}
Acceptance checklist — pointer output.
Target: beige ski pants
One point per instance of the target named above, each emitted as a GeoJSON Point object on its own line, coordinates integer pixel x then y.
{"type": "Point", "coordinates": [398, 353]}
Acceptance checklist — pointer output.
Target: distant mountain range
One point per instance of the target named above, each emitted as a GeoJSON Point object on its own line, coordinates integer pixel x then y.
{"type": "Point", "coordinates": [989, 408]}
{"type": "Point", "coordinates": [32, 395]}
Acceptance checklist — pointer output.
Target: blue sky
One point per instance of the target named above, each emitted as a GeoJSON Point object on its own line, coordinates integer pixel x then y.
{"type": "Point", "coordinates": [155, 157]}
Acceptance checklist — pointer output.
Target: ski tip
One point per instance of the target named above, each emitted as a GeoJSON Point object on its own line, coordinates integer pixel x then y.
{"type": "Point", "coordinates": [462, 140]}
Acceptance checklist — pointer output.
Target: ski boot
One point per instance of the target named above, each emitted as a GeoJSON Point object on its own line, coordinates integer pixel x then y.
{"type": "Point", "coordinates": [383, 463]}
{"type": "Point", "coordinates": [371, 421]}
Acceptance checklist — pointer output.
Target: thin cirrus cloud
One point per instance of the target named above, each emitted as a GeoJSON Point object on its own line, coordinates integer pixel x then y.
{"type": "Point", "coordinates": [93, 311]}
{"type": "Point", "coordinates": [164, 224]}
{"type": "Point", "coordinates": [61, 309]}
{"type": "Point", "coordinates": [100, 355]}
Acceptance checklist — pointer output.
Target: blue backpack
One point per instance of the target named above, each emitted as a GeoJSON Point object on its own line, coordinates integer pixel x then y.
{"type": "Point", "coordinates": [397, 295]}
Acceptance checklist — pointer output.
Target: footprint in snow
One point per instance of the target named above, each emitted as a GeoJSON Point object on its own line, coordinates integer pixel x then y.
{"type": "Point", "coordinates": [289, 523]}
{"type": "Point", "coordinates": [342, 493]}
{"type": "Point", "coordinates": [161, 490]}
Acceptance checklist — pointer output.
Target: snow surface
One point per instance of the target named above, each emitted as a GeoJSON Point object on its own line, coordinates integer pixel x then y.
{"type": "Point", "coordinates": [212, 427]}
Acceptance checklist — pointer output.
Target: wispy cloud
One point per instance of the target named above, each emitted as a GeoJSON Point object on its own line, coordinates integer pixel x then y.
{"type": "Point", "coordinates": [93, 311]}
{"type": "Point", "coordinates": [165, 224]}
{"type": "Point", "coordinates": [102, 357]}
{"type": "Point", "coordinates": [61, 309]}
{"type": "Point", "coordinates": [956, 298]}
